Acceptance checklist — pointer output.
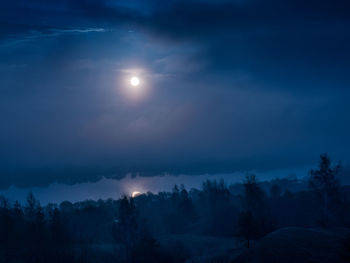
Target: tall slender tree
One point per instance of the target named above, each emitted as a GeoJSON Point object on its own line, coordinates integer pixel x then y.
{"type": "Point", "coordinates": [325, 184]}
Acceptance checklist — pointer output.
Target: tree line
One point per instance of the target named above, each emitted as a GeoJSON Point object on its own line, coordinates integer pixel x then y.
{"type": "Point", "coordinates": [128, 228]}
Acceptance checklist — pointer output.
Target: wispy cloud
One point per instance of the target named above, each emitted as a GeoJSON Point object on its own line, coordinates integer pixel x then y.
{"type": "Point", "coordinates": [36, 34]}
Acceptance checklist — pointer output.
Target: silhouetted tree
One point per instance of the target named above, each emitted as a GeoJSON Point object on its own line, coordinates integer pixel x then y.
{"type": "Point", "coordinates": [145, 249]}
{"type": "Point", "coordinates": [175, 195]}
{"type": "Point", "coordinates": [185, 206]}
{"type": "Point", "coordinates": [31, 206]}
{"type": "Point", "coordinates": [248, 226]}
{"type": "Point", "coordinates": [17, 210]}
{"type": "Point", "coordinates": [179, 213]}
{"type": "Point", "coordinates": [254, 204]}
{"type": "Point", "coordinates": [253, 199]}
{"type": "Point", "coordinates": [7, 223]}
{"type": "Point", "coordinates": [216, 210]}
{"type": "Point", "coordinates": [125, 229]}
{"type": "Point", "coordinates": [275, 191]}
{"type": "Point", "coordinates": [4, 203]}
{"type": "Point", "coordinates": [325, 184]}
{"type": "Point", "coordinates": [58, 231]}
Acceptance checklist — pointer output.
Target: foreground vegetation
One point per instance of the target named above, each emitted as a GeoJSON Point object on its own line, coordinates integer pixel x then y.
{"type": "Point", "coordinates": [166, 227]}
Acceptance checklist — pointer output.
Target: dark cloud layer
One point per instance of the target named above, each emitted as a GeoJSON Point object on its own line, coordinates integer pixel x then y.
{"type": "Point", "coordinates": [232, 85]}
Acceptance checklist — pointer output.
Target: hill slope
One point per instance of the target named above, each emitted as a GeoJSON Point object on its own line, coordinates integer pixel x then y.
{"type": "Point", "coordinates": [298, 245]}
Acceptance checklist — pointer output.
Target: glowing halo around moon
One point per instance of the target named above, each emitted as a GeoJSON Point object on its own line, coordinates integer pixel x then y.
{"type": "Point", "coordinates": [134, 85]}
{"type": "Point", "coordinates": [134, 81]}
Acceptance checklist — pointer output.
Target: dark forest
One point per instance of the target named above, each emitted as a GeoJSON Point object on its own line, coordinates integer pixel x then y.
{"type": "Point", "coordinates": [251, 221]}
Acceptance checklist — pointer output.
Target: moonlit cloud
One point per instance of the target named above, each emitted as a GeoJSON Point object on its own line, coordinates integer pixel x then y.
{"type": "Point", "coordinates": [111, 188]}
{"type": "Point", "coordinates": [226, 86]}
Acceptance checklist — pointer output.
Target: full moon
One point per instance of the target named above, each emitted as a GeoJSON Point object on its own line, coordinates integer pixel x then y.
{"type": "Point", "coordinates": [135, 81]}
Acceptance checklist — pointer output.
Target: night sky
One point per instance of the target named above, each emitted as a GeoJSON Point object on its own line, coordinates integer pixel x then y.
{"type": "Point", "coordinates": [225, 86]}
